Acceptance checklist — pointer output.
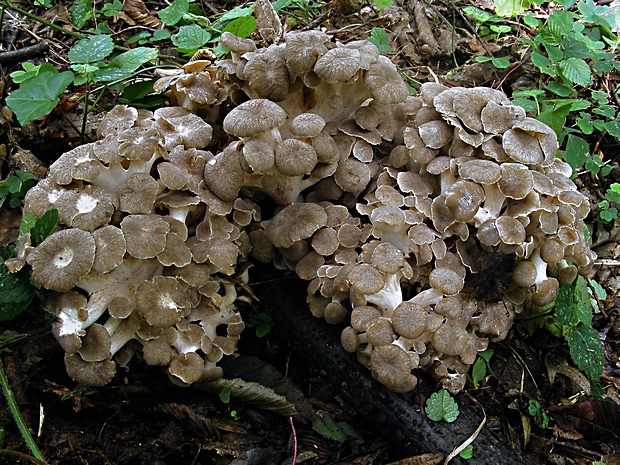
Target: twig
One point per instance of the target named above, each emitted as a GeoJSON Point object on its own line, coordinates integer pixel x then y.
{"type": "Point", "coordinates": [290, 420]}
{"type": "Point", "coordinates": [471, 438]}
{"type": "Point", "coordinates": [23, 429]}
{"type": "Point", "coordinates": [25, 53]}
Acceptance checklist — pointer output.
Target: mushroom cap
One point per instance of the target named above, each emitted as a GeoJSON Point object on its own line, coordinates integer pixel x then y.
{"type": "Point", "coordinates": [137, 194]}
{"type": "Point", "coordinates": [162, 301]}
{"type": "Point", "coordinates": [391, 366]}
{"type": "Point", "coordinates": [223, 174]}
{"type": "Point", "coordinates": [252, 117]}
{"type": "Point", "coordinates": [110, 248]}
{"type": "Point", "coordinates": [306, 125]}
{"type": "Point", "coordinates": [294, 157]}
{"type": "Point", "coordinates": [62, 259]}
{"type": "Point", "coordinates": [89, 373]}
{"type": "Point", "coordinates": [385, 83]}
{"type": "Point", "coordinates": [95, 344]}
{"type": "Point", "coordinates": [446, 280]}
{"type": "Point", "coordinates": [145, 235]}
{"type": "Point", "coordinates": [303, 48]}
{"type": "Point", "coordinates": [267, 76]}
{"type": "Point", "coordinates": [236, 44]}
{"type": "Point", "coordinates": [366, 279]}
{"type": "Point", "coordinates": [295, 222]}
{"type": "Point", "coordinates": [409, 320]}
{"type": "Point", "coordinates": [338, 64]}
{"type": "Point", "coordinates": [185, 369]}
{"type": "Point", "coordinates": [352, 175]}
{"type": "Point", "coordinates": [516, 181]}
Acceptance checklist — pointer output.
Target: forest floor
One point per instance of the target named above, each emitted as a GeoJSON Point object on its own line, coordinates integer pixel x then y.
{"type": "Point", "coordinates": [141, 418]}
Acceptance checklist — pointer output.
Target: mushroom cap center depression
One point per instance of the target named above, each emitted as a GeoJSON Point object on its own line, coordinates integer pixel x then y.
{"type": "Point", "coordinates": [63, 258]}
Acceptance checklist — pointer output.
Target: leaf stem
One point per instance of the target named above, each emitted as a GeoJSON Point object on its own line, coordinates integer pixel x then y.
{"type": "Point", "coordinates": [23, 429]}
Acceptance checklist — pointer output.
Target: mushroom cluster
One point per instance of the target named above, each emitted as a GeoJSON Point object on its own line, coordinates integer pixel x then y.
{"type": "Point", "coordinates": [422, 224]}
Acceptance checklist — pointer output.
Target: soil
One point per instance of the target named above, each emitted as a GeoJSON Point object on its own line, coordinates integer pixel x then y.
{"type": "Point", "coordinates": [142, 418]}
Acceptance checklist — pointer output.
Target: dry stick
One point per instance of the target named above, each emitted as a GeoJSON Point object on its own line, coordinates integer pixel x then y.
{"type": "Point", "coordinates": [290, 420]}
{"type": "Point", "coordinates": [25, 53]}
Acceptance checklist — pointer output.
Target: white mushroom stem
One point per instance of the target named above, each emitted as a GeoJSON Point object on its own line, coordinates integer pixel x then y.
{"type": "Point", "coordinates": [428, 297]}
{"type": "Point", "coordinates": [389, 297]}
{"type": "Point", "coordinates": [124, 331]}
{"type": "Point", "coordinates": [492, 206]}
{"type": "Point", "coordinates": [541, 267]}
{"type": "Point", "coordinates": [114, 176]}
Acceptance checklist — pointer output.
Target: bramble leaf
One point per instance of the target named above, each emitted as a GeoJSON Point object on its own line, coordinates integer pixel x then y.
{"type": "Point", "coordinates": [191, 38]}
{"type": "Point", "coordinates": [44, 227]}
{"type": "Point", "coordinates": [441, 406]}
{"type": "Point", "coordinates": [576, 71]}
{"type": "Point", "coordinates": [586, 350]}
{"type": "Point", "coordinates": [508, 8]}
{"type": "Point", "coordinates": [38, 96]}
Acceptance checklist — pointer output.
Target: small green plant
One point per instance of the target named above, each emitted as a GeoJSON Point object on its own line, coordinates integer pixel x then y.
{"type": "Point", "coordinates": [573, 310]}
{"type": "Point", "coordinates": [225, 395]}
{"type": "Point", "coordinates": [328, 427]}
{"type": "Point", "coordinates": [235, 415]}
{"type": "Point", "coordinates": [467, 453]}
{"type": "Point", "coordinates": [498, 62]}
{"type": "Point", "coordinates": [538, 412]}
{"type": "Point", "coordinates": [441, 406]}
{"type": "Point", "coordinates": [15, 187]}
{"type": "Point", "coordinates": [261, 322]}
{"type": "Point", "coordinates": [380, 38]}
{"type": "Point", "coordinates": [481, 368]}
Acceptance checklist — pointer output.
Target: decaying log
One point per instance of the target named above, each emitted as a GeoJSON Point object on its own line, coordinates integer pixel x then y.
{"type": "Point", "coordinates": [395, 416]}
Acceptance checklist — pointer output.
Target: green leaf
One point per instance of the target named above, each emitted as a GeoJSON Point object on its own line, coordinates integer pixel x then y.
{"type": "Point", "coordinates": [576, 70]}
{"type": "Point", "coordinates": [441, 406]}
{"type": "Point", "coordinates": [81, 12]}
{"type": "Point", "coordinates": [478, 371]}
{"type": "Point", "coordinates": [501, 63]}
{"type": "Point", "coordinates": [112, 9]}
{"type": "Point", "coordinates": [38, 96]}
{"type": "Point", "coordinates": [122, 66]}
{"type": "Point", "coordinates": [160, 34]}
{"type": "Point", "coordinates": [44, 227]}
{"type": "Point", "coordinates": [236, 13]}
{"type": "Point", "coordinates": [467, 453]}
{"type": "Point", "coordinates": [279, 4]}
{"type": "Point", "coordinates": [138, 90]}
{"type": "Point", "coordinates": [586, 350]}
{"type": "Point", "coordinates": [327, 427]}
{"type": "Point", "coordinates": [508, 8]}
{"type": "Point", "coordinates": [241, 27]}
{"type": "Point", "coordinates": [480, 16]}
{"type": "Point", "coordinates": [225, 395]}
{"type": "Point", "coordinates": [191, 38]}
{"type": "Point", "coordinates": [565, 304]}
{"type": "Point", "coordinates": [531, 21]}
{"type": "Point", "coordinates": [28, 221]}
{"type": "Point", "coordinates": [542, 63]}
{"type": "Point", "coordinates": [555, 117]}
{"type": "Point", "coordinates": [613, 128]}
{"type": "Point", "coordinates": [174, 12]}
{"type": "Point", "coordinates": [381, 4]}
{"type": "Point", "coordinates": [560, 89]}
{"type": "Point", "coordinates": [576, 151]}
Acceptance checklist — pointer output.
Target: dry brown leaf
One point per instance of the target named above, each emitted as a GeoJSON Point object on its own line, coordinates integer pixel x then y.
{"type": "Point", "coordinates": [424, 459]}
{"type": "Point", "coordinates": [136, 10]}
{"type": "Point", "coordinates": [268, 23]}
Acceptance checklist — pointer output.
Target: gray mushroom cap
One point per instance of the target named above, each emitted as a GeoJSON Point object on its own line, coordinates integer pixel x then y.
{"type": "Point", "coordinates": [295, 222]}
{"type": "Point", "coordinates": [252, 117]}
{"type": "Point", "coordinates": [62, 259]}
